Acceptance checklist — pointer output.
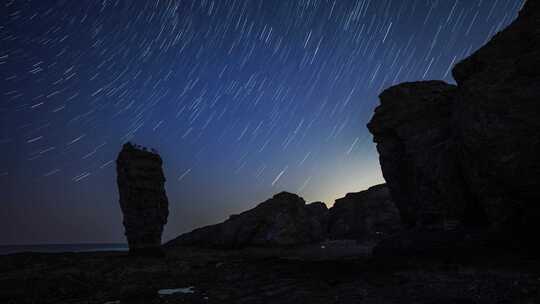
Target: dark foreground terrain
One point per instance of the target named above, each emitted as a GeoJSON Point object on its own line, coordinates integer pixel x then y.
{"type": "Point", "coordinates": [308, 275]}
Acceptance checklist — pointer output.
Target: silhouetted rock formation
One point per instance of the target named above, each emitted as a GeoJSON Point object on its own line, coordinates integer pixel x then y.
{"type": "Point", "coordinates": [413, 130]}
{"type": "Point", "coordinates": [365, 215]}
{"type": "Point", "coordinates": [498, 123]}
{"type": "Point", "coordinates": [286, 220]}
{"type": "Point", "coordinates": [469, 155]}
{"type": "Point", "coordinates": [142, 198]}
{"type": "Point", "coordinates": [283, 220]}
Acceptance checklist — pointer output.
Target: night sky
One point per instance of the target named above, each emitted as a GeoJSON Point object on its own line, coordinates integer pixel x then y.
{"type": "Point", "coordinates": [242, 99]}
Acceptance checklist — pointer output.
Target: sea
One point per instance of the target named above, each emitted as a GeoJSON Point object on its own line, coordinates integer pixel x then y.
{"type": "Point", "coordinates": [55, 248]}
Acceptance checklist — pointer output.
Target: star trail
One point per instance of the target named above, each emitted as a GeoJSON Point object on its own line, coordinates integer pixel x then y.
{"type": "Point", "coordinates": [241, 98]}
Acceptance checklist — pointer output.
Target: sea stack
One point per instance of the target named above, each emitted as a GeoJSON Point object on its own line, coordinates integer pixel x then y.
{"type": "Point", "coordinates": [144, 204]}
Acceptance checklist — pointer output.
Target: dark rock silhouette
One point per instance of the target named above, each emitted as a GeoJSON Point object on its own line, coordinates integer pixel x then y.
{"type": "Point", "coordinates": [318, 221]}
{"type": "Point", "coordinates": [366, 215]}
{"type": "Point", "coordinates": [143, 200]}
{"type": "Point", "coordinates": [286, 220]}
{"type": "Point", "coordinates": [469, 155]}
{"type": "Point", "coordinates": [283, 220]}
{"type": "Point", "coordinates": [498, 123]}
{"type": "Point", "coordinates": [414, 134]}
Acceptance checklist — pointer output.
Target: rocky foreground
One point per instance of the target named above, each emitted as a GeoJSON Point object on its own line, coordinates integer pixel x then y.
{"type": "Point", "coordinates": [303, 275]}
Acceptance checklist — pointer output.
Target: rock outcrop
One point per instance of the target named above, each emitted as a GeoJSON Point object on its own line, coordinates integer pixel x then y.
{"type": "Point", "coordinates": [364, 216]}
{"type": "Point", "coordinates": [286, 220]}
{"type": "Point", "coordinates": [498, 123]}
{"type": "Point", "coordinates": [143, 199]}
{"type": "Point", "coordinates": [283, 220]}
{"type": "Point", "coordinates": [413, 131]}
{"type": "Point", "coordinates": [468, 155]}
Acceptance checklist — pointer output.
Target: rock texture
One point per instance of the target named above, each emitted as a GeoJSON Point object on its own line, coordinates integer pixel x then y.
{"type": "Point", "coordinates": [364, 216]}
{"type": "Point", "coordinates": [143, 200]}
{"type": "Point", "coordinates": [283, 220]}
{"type": "Point", "coordinates": [469, 155]}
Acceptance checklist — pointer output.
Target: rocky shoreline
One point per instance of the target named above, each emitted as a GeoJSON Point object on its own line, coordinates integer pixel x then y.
{"type": "Point", "coordinates": [454, 224]}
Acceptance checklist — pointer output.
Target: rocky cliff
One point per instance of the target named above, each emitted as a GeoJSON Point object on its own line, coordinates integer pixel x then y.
{"type": "Point", "coordinates": [286, 220]}
{"type": "Point", "coordinates": [144, 204]}
{"type": "Point", "coordinates": [497, 115]}
{"type": "Point", "coordinates": [468, 155]}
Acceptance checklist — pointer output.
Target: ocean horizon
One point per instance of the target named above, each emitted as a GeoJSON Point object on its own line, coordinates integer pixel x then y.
{"type": "Point", "coordinates": [57, 248]}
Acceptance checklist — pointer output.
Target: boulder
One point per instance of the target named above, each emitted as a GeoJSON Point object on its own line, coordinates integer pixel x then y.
{"type": "Point", "coordinates": [144, 204]}
{"type": "Point", "coordinates": [283, 220]}
{"type": "Point", "coordinates": [364, 216]}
